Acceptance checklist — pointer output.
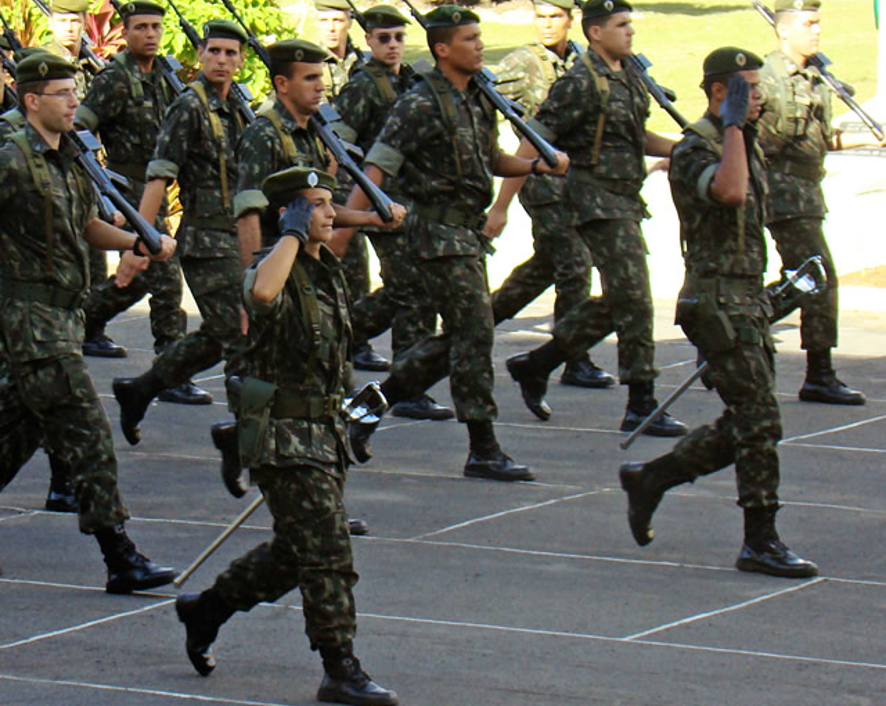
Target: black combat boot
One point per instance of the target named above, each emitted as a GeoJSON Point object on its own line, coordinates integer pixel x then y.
{"type": "Point", "coordinates": [584, 373]}
{"type": "Point", "coordinates": [365, 358]}
{"type": "Point", "coordinates": [100, 346]}
{"type": "Point", "coordinates": [764, 552]}
{"type": "Point", "coordinates": [645, 484]}
{"type": "Point", "coordinates": [202, 614]}
{"type": "Point", "coordinates": [224, 438]}
{"type": "Point", "coordinates": [61, 496]}
{"type": "Point", "coordinates": [822, 383]}
{"type": "Point", "coordinates": [128, 570]}
{"type": "Point", "coordinates": [642, 403]}
{"type": "Point", "coordinates": [531, 371]}
{"type": "Point", "coordinates": [186, 393]}
{"type": "Point", "coordinates": [345, 682]}
{"type": "Point", "coordinates": [487, 460]}
{"type": "Point", "coordinates": [423, 407]}
{"type": "Point", "coordinates": [134, 395]}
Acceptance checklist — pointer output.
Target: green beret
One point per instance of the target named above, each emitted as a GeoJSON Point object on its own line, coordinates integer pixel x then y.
{"type": "Point", "coordinates": [450, 16]}
{"type": "Point", "coordinates": [567, 5]}
{"type": "Point", "coordinates": [140, 7]}
{"type": "Point", "coordinates": [297, 50]}
{"type": "Point", "coordinates": [281, 187]}
{"type": "Point", "coordinates": [383, 16]}
{"type": "Point", "coordinates": [728, 60]}
{"type": "Point", "coordinates": [603, 8]}
{"type": "Point", "coordinates": [340, 5]}
{"type": "Point", "coordinates": [69, 6]}
{"type": "Point", "coordinates": [43, 66]}
{"type": "Point", "coordinates": [25, 52]}
{"type": "Point", "coordinates": [224, 29]}
{"type": "Point", "coordinates": [797, 5]}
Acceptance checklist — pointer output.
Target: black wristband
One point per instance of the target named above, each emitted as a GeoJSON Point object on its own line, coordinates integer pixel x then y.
{"type": "Point", "coordinates": [534, 168]}
{"type": "Point", "coordinates": [298, 235]}
{"type": "Point", "coordinates": [135, 247]}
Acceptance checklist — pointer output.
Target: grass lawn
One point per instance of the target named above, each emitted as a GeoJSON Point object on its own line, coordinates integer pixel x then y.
{"type": "Point", "coordinates": [676, 36]}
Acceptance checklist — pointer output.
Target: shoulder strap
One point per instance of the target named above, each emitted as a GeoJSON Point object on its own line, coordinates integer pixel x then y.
{"type": "Point", "coordinates": [286, 140]}
{"type": "Point", "coordinates": [135, 86]}
{"type": "Point", "coordinates": [40, 174]}
{"type": "Point", "coordinates": [310, 311]}
{"type": "Point", "coordinates": [602, 85]}
{"type": "Point", "coordinates": [447, 110]}
{"type": "Point", "coordinates": [218, 133]}
{"type": "Point", "coordinates": [547, 67]}
{"type": "Point", "coordinates": [382, 82]}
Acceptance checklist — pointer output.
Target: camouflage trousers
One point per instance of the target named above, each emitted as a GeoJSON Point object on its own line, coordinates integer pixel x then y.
{"type": "Point", "coordinates": [750, 427]}
{"type": "Point", "coordinates": [311, 549]}
{"type": "Point", "coordinates": [559, 257]}
{"type": "Point", "coordinates": [798, 239]}
{"type": "Point", "coordinates": [619, 253]}
{"type": "Point", "coordinates": [216, 284]}
{"type": "Point", "coordinates": [98, 266]}
{"type": "Point", "coordinates": [356, 266]}
{"type": "Point", "coordinates": [457, 289]}
{"type": "Point", "coordinates": [400, 303]}
{"type": "Point", "coordinates": [163, 281]}
{"type": "Point", "coordinates": [52, 402]}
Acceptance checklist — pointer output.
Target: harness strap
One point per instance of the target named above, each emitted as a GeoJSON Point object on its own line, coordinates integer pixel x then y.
{"type": "Point", "coordinates": [40, 175]}
{"type": "Point", "coordinates": [218, 132]}
{"type": "Point", "coordinates": [602, 85]}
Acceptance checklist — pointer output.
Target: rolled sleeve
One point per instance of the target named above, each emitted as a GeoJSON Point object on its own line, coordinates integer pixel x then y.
{"type": "Point", "coordinates": [252, 305]}
{"type": "Point", "coordinates": [386, 158]}
{"type": "Point", "coordinates": [703, 186]}
{"type": "Point", "coordinates": [86, 117]}
{"type": "Point", "coordinates": [161, 169]}
{"type": "Point", "coordinates": [249, 200]}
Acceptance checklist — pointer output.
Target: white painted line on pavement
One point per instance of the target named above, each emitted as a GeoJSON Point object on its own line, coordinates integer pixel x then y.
{"type": "Point", "coordinates": [724, 610]}
{"type": "Point", "coordinates": [136, 690]}
{"type": "Point", "coordinates": [834, 430]}
{"type": "Point", "coordinates": [833, 447]}
{"type": "Point", "coordinates": [504, 513]}
{"type": "Point", "coordinates": [83, 626]}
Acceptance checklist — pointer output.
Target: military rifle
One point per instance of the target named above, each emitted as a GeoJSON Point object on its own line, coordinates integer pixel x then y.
{"type": "Point", "coordinates": [86, 143]}
{"type": "Point", "coordinates": [486, 81]}
{"type": "Point", "coordinates": [350, 47]}
{"type": "Point", "coordinates": [322, 121]}
{"type": "Point", "coordinates": [240, 92]}
{"type": "Point", "coordinates": [94, 62]}
{"type": "Point", "coordinates": [14, 45]}
{"type": "Point", "coordinates": [168, 65]}
{"type": "Point", "coordinates": [844, 91]}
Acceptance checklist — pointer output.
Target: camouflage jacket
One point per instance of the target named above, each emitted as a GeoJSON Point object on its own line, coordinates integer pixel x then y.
{"type": "Point", "coordinates": [717, 240]}
{"type": "Point", "coordinates": [11, 121]}
{"type": "Point", "coordinates": [282, 350]}
{"type": "Point", "coordinates": [795, 134]}
{"type": "Point", "coordinates": [569, 118]}
{"type": "Point", "coordinates": [336, 73]}
{"type": "Point", "coordinates": [126, 107]}
{"type": "Point", "coordinates": [526, 75]}
{"type": "Point", "coordinates": [261, 152]}
{"type": "Point", "coordinates": [188, 151]}
{"type": "Point", "coordinates": [443, 146]}
{"type": "Point", "coordinates": [55, 264]}
{"type": "Point", "coordinates": [83, 78]}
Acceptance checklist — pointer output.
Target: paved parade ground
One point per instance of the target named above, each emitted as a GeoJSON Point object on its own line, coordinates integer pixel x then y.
{"type": "Point", "coordinates": [476, 593]}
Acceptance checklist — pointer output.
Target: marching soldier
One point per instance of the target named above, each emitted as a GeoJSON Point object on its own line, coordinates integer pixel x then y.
{"type": "Point", "coordinates": [196, 147]}
{"type": "Point", "coordinates": [443, 134]}
{"type": "Point", "coordinates": [796, 134]}
{"type": "Point", "coordinates": [559, 256]}
{"type": "Point", "coordinates": [597, 112]}
{"type": "Point", "coordinates": [364, 104]}
{"type": "Point", "coordinates": [49, 219]}
{"type": "Point", "coordinates": [718, 182]}
{"type": "Point", "coordinates": [299, 340]}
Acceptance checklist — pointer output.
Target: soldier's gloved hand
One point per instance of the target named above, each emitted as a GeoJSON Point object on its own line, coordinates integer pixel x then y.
{"type": "Point", "coordinates": [734, 108]}
{"type": "Point", "coordinates": [296, 219]}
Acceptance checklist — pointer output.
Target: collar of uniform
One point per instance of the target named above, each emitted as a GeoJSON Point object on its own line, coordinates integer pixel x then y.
{"type": "Point", "coordinates": [328, 262]}
{"type": "Point", "coordinates": [215, 102]}
{"type": "Point", "coordinates": [59, 50]}
{"type": "Point", "coordinates": [131, 65]}
{"type": "Point", "coordinates": [471, 89]}
{"type": "Point", "coordinates": [372, 61]}
{"type": "Point", "coordinates": [604, 68]}
{"type": "Point", "coordinates": [286, 117]}
{"type": "Point", "coordinates": [715, 120]}
{"type": "Point", "coordinates": [41, 146]}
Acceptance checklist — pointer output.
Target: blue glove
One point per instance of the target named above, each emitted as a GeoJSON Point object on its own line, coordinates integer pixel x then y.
{"type": "Point", "coordinates": [296, 219]}
{"type": "Point", "coordinates": [734, 109]}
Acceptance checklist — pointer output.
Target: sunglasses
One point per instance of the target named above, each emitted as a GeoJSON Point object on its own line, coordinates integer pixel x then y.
{"type": "Point", "coordinates": [387, 38]}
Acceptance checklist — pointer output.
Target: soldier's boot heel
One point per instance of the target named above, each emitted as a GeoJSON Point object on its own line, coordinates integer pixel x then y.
{"type": "Point", "coordinates": [128, 570]}
{"type": "Point", "coordinates": [60, 497]}
{"type": "Point", "coordinates": [646, 484]}
{"type": "Point", "coordinates": [345, 682]}
{"type": "Point", "coordinates": [133, 401]}
{"type": "Point", "coordinates": [763, 552]}
{"type": "Point", "coordinates": [224, 438]}
{"type": "Point", "coordinates": [202, 615]}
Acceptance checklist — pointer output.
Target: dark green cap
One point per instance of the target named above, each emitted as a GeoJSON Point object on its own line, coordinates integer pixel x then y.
{"type": "Point", "coordinates": [567, 5]}
{"type": "Point", "coordinates": [224, 29]}
{"type": "Point", "coordinates": [384, 16]}
{"type": "Point", "coordinates": [729, 60]}
{"type": "Point", "coordinates": [281, 187]}
{"type": "Point", "coordinates": [43, 66]}
{"type": "Point", "coordinates": [603, 8]}
{"type": "Point", "coordinates": [450, 16]}
{"type": "Point", "coordinates": [140, 7]}
{"type": "Point", "coordinates": [297, 50]}
{"type": "Point", "coordinates": [25, 52]}
{"type": "Point", "coordinates": [340, 5]}
{"type": "Point", "coordinates": [797, 5]}
{"type": "Point", "coordinates": [69, 6]}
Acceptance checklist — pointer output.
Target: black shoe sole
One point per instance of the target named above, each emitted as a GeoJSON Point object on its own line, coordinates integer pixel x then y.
{"type": "Point", "coordinates": [127, 587]}
{"type": "Point", "coordinates": [430, 416]}
{"type": "Point", "coordinates": [587, 384]}
{"type": "Point", "coordinates": [61, 503]}
{"type": "Point", "coordinates": [807, 396]}
{"type": "Point", "coordinates": [173, 397]}
{"type": "Point", "coordinates": [758, 567]}
{"type": "Point", "coordinates": [488, 474]}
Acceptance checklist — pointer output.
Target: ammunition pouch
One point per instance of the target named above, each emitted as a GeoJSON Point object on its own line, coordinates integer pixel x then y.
{"type": "Point", "coordinates": [256, 401]}
{"type": "Point", "coordinates": [706, 324]}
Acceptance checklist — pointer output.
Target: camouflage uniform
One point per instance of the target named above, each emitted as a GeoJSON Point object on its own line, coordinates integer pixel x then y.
{"type": "Point", "coordinates": [126, 107]}
{"type": "Point", "coordinates": [559, 256]}
{"type": "Point", "coordinates": [605, 200]}
{"type": "Point", "coordinates": [724, 312]}
{"type": "Point", "coordinates": [46, 393]}
{"type": "Point", "coordinates": [446, 172]}
{"type": "Point", "coordinates": [336, 73]}
{"type": "Point", "coordinates": [301, 459]}
{"type": "Point", "coordinates": [364, 104]}
{"type": "Point", "coordinates": [795, 134]}
{"type": "Point", "coordinates": [188, 151]}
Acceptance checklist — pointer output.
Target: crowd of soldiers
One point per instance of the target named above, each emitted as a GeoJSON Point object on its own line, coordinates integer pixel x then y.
{"type": "Point", "coordinates": [272, 243]}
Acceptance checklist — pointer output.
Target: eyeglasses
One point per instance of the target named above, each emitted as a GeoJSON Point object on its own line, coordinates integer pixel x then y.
{"type": "Point", "coordinates": [386, 38]}
{"type": "Point", "coordinates": [66, 94]}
